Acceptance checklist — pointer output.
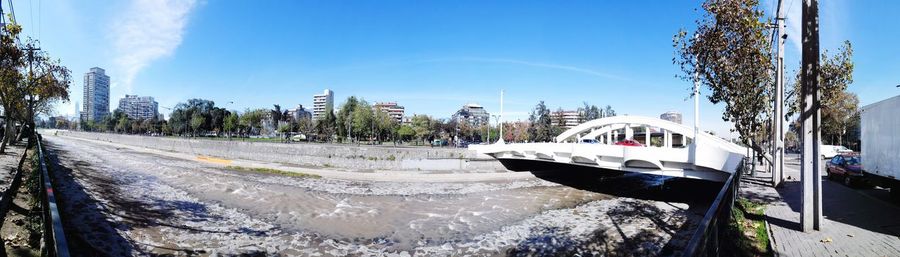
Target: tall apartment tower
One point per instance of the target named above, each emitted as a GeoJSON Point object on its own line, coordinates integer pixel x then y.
{"type": "Point", "coordinates": [323, 103]}
{"type": "Point", "coordinates": [96, 95]}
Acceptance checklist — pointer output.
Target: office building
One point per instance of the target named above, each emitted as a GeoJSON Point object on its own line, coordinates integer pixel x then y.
{"type": "Point", "coordinates": [672, 116]}
{"type": "Point", "coordinates": [392, 109]}
{"type": "Point", "coordinates": [472, 113]}
{"type": "Point", "coordinates": [139, 107]}
{"type": "Point", "coordinates": [96, 95]}
{"type": "Point", "coordinates": [299, 113]}
{"type": "Point", "coordinates": [565, 119]}
{"type": "Point", "coordinates": [322, 103]}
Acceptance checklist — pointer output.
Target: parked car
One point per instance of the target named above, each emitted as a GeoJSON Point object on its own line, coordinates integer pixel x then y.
{"type": "Point", "coordinates": [845, 167]}
{"type": "Point", "coordinates": [830, 151]}
{"type": "Point", "coordinates": [629, 142]}
{"type": "Point", "coordinates": [439, 142]}
{"type": "Point", "coordinates": [589, 141]}
{"type": "Point", "coordinates": [298, 138]}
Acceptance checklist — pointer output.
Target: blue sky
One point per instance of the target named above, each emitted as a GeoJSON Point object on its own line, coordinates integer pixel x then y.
{"type": "Point", "coordinates": [429, 56]}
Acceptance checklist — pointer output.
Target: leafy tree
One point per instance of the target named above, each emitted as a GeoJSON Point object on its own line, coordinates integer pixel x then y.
{"type": "Point", "coordinates": [344, 117]}
{"type": "Point", "coordinates": [252, 119]}
{"type": "Point", "coordinates": [326, 127]}
{"type": "Point", "coordinates": [589, 112]}
{"type": "Point", "coordinates": [516, 131]}
{"type": "Point", "coordinates": [541, 129]}
{"type": "Point", "coordinates": [839, 108]}
{"type": "Point", "coordinates": [406, 132]}
{"type": "Point", "coordinates": [149, 125]}
{"type": "Point", "coordinates": [285, 129]}
{"type": "Point", "coordinates": [422, 127]}
{"type": "Point", "coordinates": [385, 125]}
{"type": "Point", "coordinates": [30, 82]}
{"type": "Point", "coordinates": [166, 128]}
{"type": "Point", "coordinates": [609, 112]}
{"type": "Point", "coordinates": [230, 123]}
{"type": "Point", "coordinates": [307, 126]}
{"type": "Point", "coordinates": [12, 60]}
{"type": "Point", "coordinates": [197, 121]}
{"type": "Point", "coordinates": [122, 122]}
{"type": "Point", "coordinates": [137, 127]}
{"type": "Point", "coordinates": [363, 120]}
{"type": "Point", "coordinates": [730, 53]}
{"type": "Point", "coordinates": [560, 121]}
{"type": "Point", "coordinates": [276, 113]}
{"type": "Point", "coordinates": [183, 116]}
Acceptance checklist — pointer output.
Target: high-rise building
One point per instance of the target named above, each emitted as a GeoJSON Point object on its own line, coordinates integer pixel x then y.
{"type": "Point", "coordinates": [139, 107]}
{"type": "Point", "coordinates": [96, 95]}
{"type": "Point", "coordinates": [672, 116]}
{"type": "Point", "coordinates": [392, 109]}
{"type": "Point", "coordinates": [569, 119]}
{"type": "Point", "coordinates": [472, 113]}
{"type": "Point", "coordinates": [323, 103]}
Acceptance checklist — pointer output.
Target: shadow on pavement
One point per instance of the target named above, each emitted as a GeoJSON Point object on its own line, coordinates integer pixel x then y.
{"type": "Point", "coordinates": [845, 205]}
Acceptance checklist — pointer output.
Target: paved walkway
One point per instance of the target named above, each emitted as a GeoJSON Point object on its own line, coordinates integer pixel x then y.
{"type": "Point", "coordinates": [856, 224]}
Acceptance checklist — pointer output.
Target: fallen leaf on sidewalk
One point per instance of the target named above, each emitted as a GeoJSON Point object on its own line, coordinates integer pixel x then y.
{"type": "Point", "coordinates": [849, 235]}
{"type": "Point", "coordinates": [826, 240]}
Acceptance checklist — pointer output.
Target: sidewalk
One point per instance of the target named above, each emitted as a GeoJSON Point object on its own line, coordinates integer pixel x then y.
{"type": "Point", "coordinates": [855, 224]}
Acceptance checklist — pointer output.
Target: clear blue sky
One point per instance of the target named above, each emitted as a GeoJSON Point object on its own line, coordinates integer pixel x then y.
{"type": "Point", "coordinates": [430, 56]}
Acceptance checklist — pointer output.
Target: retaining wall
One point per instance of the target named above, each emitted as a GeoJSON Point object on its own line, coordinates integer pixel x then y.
{"type": "Point", "coordinates": [358, 158]}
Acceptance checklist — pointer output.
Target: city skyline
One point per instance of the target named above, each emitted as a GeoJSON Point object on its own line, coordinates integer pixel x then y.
{"type": "Point", "coordinates": [529, 50]}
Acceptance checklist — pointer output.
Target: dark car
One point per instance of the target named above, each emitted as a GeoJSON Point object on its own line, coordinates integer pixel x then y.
{"type": "Point", "coordinates": [846, 168]}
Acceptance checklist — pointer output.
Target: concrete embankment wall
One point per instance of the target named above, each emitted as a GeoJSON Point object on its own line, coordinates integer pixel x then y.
{"type": "Point", "coordinates": [360, 158]}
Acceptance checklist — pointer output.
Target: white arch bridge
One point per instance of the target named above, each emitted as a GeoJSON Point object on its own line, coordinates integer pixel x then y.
{"type": "Point", "coordinates": [669, 149]}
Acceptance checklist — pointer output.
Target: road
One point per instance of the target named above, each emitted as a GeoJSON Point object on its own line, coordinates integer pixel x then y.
{"type": "Point", "coordinates": [857, 222]}
{"type": "Point", "coordinates": [792, 169]}
{"type": "Point", "coordinates": [119, 201]}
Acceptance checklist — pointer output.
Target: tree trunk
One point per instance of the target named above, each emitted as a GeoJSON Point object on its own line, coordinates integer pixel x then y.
{"type": "Point", "coordinates": [6, 135]}
{"type": "Point", "coordinates": [3, 145]}
{"type": "Point", "coordinates": [21, 132]}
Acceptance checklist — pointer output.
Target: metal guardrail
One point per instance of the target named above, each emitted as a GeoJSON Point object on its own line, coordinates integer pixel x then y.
{"type": "Point", "coordinates": [705, 241]}
{"type": "Point", "coordinates": [54, 239]}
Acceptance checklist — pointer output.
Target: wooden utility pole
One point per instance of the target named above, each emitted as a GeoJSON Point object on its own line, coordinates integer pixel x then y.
{"type": "Point", "coordinates": [811, 166]}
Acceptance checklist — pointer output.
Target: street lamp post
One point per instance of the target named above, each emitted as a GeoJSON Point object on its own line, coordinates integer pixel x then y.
{"type": "Point", "coordinates": [497, 119]}
{"type": "Point", "coordinates": [499, 122]}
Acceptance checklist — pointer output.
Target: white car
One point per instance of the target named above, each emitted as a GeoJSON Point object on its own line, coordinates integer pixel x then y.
{"type": "Point", "coordinates": [829, 151]}
{"type": "Point", "coordinates": [298, 138]}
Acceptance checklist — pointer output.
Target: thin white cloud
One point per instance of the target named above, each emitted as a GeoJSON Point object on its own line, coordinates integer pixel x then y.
{"type": "Point", "coordinates": [793, 16]}
{"type": "Point", "coordinates": [535, 64]}
{"type": "Point", "coordinates": [146, 31]}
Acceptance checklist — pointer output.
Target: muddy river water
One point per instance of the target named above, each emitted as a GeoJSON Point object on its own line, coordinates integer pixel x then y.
{"type": "Point", "coordinates": [121, 201]}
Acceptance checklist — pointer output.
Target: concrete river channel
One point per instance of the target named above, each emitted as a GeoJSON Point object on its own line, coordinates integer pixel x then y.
{"type": "Point", "coordinates": [118, 199]}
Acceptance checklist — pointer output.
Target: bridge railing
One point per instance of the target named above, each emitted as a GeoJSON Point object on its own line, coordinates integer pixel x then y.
{"type": "Point", "coordinates": [54, 239]}
{"type": "Point", "coordinates": [705, 241]}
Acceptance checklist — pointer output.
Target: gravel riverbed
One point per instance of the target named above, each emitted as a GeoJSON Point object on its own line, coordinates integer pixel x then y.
{"type": "Point", "coordinates": [121, 201]}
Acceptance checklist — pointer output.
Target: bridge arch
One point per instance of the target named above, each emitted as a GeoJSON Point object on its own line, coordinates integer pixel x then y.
{"type": "Point", "coordinates": [594, 128]}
